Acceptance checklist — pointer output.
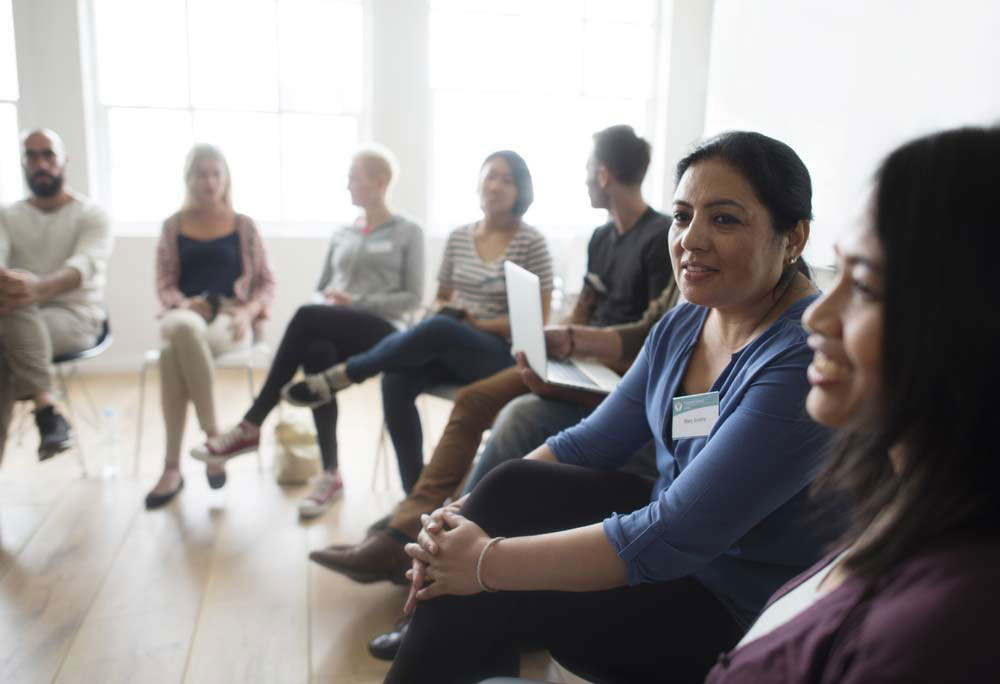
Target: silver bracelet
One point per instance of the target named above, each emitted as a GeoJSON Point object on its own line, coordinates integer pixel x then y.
{"type": "Point", "coordinates": [479, 563]}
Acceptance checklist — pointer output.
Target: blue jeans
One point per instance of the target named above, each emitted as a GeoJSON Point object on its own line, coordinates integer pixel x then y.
{"type": "Point", "coordinates": [439, 350]}
{"type": "Point", "coordinates": [526, 422]}
{"type": "Point", "coordinates": [520, 427]}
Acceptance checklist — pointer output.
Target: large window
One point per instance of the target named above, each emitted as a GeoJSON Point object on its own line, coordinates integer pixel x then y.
{"type": "Point", "coordinates": [275, 83]}
{"type": "Point", "coordinates": [10, 167]}
{"type": "Point", "coordinates": [539, 77]}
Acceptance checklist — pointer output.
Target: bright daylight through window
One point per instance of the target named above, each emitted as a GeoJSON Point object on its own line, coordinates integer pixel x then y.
{"type": "Point", "coordinates": [10, 167]}
{"type": "Point", "coordinates": [538, 77]}
{"type": "Point", "coordinates": [262, 79]}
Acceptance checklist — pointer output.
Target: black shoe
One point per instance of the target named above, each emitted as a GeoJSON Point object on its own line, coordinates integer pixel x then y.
{"type": "Point", "coordinates": [160, 500]}
{"type": "Point", "coordinates": [216, 481]}
{"type": "Point", "coordinates": [386, 646]}
{"type": "Point", "coordinates": [55, 433]}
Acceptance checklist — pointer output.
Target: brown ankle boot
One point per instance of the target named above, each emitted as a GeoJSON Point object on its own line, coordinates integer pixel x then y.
{"type": "Point", "coordinates": [378, 558]}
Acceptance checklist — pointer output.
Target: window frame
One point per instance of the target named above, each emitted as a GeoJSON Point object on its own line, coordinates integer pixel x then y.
{"type": "Point", "coordinates": [270, 226]}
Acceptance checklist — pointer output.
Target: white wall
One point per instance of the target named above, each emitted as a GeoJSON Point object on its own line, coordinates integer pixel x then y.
{"type": "Point", "coordinates": [844, 82]}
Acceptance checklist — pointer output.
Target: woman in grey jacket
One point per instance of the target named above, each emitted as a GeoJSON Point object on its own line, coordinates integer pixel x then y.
{"type": "Point", "coordinates": [372, 276]}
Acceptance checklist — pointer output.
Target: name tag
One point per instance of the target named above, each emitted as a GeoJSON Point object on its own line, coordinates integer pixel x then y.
{"type": "Point", "coordinates": [695, 415]}
{"type": "Point", "coordinates": [382, 247]}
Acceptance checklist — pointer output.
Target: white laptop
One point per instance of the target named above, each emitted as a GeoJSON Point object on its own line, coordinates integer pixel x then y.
{"type": "Point", "coordinates": [524, 305]}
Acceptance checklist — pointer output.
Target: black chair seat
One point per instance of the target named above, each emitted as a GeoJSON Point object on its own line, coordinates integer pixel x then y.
{"type": "Point", "coordinates": [104, 341]}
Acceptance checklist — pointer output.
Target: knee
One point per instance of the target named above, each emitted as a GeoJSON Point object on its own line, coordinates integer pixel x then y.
{"type": "Point", "coordinates": [303, 314]}
{"type": "Point", "coordinates": [433, 327]}
{"type": "Point", "coordinates": [181, 324]}
{"type": "Point", "coordinates": [504, 483]}
{"type": "Point", "coordinates": [319, 355]}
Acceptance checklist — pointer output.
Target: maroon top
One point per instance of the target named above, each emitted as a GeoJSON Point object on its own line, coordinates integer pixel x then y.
{"type": "Point", "coordinates": [933, 619]}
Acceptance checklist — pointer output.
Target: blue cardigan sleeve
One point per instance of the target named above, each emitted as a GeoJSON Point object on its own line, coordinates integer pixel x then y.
{"type": "Point", "coordinates": [766, 451]}
{"type": "Point", "coordinates": [610, 435]}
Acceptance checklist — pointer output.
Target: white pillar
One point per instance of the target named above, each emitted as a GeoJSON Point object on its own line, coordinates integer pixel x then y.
{"type": "Point", "coordinates": [400, 102]}
{"type": "Point", "coordinates": [687, 81]}
{"type": "Point", "coordinates": [53, 72]}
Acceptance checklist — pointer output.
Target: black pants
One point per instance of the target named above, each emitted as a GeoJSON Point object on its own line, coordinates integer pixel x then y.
{"type": "Point", "coordinates": [664, 632]}
{"type": "Point", "coordinates": [318, 336]}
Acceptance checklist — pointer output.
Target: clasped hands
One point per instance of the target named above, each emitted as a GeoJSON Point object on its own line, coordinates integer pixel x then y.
{"type": "Point", "coordinates": [240, 319]}
{"type": "Point", "coordinates": [17, 288]}
{"type": "Point", "coordinates": [445, 556]}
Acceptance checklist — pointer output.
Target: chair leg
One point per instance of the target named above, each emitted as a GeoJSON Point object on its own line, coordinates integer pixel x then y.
{"type": "Point", "coordinates": [381, 458]}
{"type": "Point", "coordinates": [139, 422]}
{"type": "Point", "coordinates": [253, 394]}
{"type": "Point", "coordinates": [61, 379]}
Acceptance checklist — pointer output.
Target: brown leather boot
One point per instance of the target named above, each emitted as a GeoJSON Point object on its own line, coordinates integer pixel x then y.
{"type": "Point", "coordinates": [378, 558]}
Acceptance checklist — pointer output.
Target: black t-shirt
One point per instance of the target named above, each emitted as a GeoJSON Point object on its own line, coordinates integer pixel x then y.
{"type": "Point", "coordinates": [626, 272]}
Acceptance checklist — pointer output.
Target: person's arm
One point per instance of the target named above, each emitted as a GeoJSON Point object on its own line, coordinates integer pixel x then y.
{"type": "Point", "coordinates": [765, 451]}
{"type": "Point", "coordinates": [167, 267]}
{"type": "Point", "coordinates": [397, 302]}
{"type": "Point", "coordinates": [91, 252]}
{"type": "Point", "coordinates": [580, 559]}
{"type": "Point", "coordinates": [262, 288]}
{"type": "Point", "coordinates": [609, 436]}
{"type": "Point", "coordinates": [4, 243]}
{"type": "Point", "coordinates": [583, 308]}
{"type": "Point", "coordinates": [633, 335]}
{"type": "Point", "coordinates": [326, 275]}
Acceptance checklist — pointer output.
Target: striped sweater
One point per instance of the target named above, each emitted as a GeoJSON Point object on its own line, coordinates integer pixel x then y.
{"type": "Point", "coordinates": [479, 286]}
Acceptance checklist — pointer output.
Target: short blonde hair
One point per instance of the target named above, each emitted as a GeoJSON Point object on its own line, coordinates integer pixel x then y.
{"type": "Point", "coordinates": [206, 151]}
{"type": "Point", "coordinates": [378, 161]}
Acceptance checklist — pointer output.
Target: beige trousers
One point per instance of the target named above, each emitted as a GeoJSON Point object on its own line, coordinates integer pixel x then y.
{"type": "Point", "coordinates": [29, 337]}
{"type": "Point", "coordinates": [189, 347]}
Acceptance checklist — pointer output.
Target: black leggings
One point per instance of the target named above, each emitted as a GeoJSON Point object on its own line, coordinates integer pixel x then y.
{"type": "Point", "coordinates": [318, 336]}
{"type": "Point", "coordinates": [664, 632]}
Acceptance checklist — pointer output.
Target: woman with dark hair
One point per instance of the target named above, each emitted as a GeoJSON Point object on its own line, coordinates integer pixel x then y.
{"type": "Point", "coordinates": [907, 366]}
{"type": "Point", "coordinates": [680, 567]}
{"type": "Point", "coordinates": [466, 340]}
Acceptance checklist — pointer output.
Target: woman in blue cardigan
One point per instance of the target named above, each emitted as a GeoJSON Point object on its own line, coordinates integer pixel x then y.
{"type": "Point", "coordinates": [624, 579]}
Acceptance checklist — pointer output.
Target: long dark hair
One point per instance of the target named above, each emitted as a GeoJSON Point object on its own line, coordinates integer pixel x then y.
{"type": "Point", "coordinates": [936, 212]}
{"type": "Point", "coordinates": [522, 179]}
{"type": "Point", "coordinates": [774, 171]}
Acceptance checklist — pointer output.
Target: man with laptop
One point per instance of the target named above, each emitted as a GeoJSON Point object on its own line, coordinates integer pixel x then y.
{"type": "Point", "coordinates": [628, 269]}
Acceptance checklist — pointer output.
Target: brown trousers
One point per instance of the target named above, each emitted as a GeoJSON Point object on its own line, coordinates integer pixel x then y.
{"type": "Point", "coordinates": [476, 407]}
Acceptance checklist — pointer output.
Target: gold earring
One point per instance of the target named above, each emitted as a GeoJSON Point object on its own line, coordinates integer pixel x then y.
{"type": "Point", "coordinates": [792, 260]}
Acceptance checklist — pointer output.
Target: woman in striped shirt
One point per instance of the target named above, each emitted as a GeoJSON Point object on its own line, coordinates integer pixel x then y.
{"type": "Point", "coordinates": [467, 338]}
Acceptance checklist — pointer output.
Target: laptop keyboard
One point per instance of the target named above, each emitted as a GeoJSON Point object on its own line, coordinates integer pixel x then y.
{"type": "Point", "coordinates": [566, 373]}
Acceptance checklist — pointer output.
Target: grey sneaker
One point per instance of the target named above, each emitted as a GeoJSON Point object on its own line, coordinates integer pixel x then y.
{"type": "Point", "coordinates": [327, 488]}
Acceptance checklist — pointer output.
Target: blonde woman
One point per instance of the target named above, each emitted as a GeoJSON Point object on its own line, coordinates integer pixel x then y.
{"type": "Point", "coordinates": [373, 275]}
{"type": "Point", "coordinates": [214, 285]}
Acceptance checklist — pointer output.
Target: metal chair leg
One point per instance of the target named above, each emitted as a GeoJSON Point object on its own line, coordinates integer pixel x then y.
{"type": "Point", "coordinates": [253, 394]}
{"type": "Point", "coordinates": [139, 419]}
{"type": "Point", "coordinates": [61, 379]}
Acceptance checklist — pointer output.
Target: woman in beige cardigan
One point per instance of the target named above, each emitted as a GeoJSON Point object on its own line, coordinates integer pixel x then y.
{"type": "Point", "coordinates": [215, 286]}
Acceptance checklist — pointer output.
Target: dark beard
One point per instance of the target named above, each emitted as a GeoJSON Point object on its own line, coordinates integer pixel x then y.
{"type": "Point", "coordinates": [45, 190]}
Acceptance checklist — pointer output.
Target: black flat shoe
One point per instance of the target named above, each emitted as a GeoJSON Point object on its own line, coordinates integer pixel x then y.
{"type": "Point", "coordinates": [159, 500]}
{"type": "Point", "coordinates": [216, 481]}
{"type": "Point", "coordinates": [386, 646]}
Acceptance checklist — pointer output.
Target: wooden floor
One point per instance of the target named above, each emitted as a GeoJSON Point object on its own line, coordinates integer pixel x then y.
{"type": "Point", "coordinates": [214, 588]}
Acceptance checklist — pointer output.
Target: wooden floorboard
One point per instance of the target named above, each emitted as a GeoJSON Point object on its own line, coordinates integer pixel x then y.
{"type": "Point", "coordinates": [215, 588]}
